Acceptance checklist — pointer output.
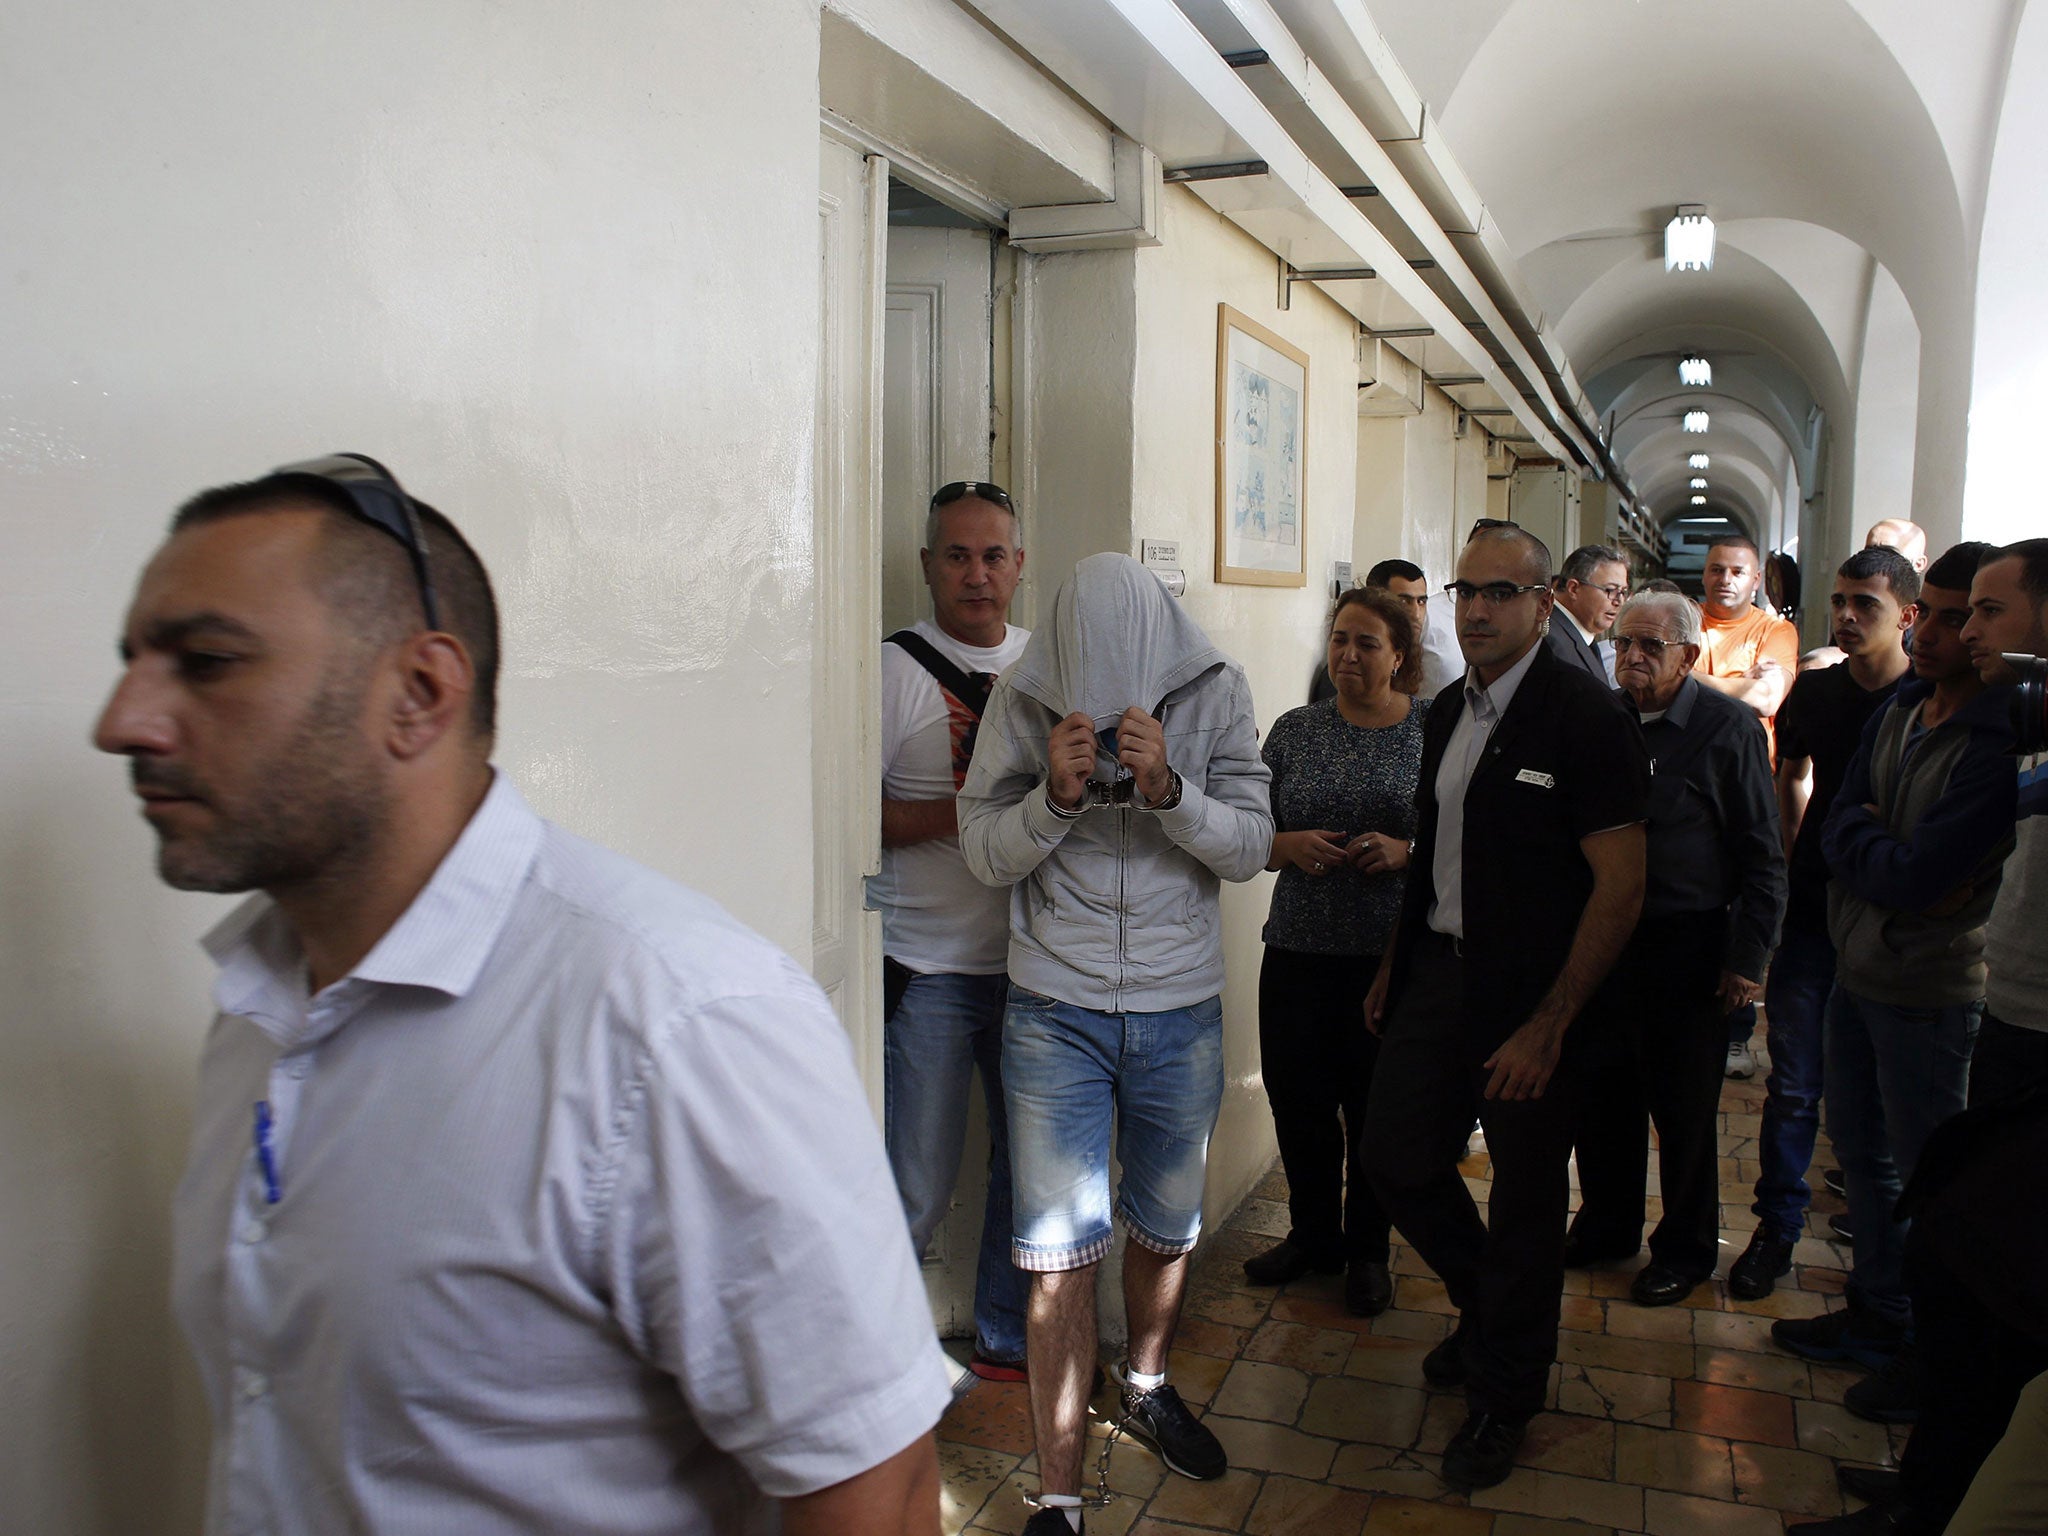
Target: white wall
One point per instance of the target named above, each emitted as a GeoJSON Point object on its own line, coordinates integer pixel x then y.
{"type": "Point", "coordinates": [1887, 405]}
{"type": "Point", "coordinates": [1276, 633]}
{"type": "Point", "coordinates": [2002, 500]}
{"type": "Point", "coordinates": [1420, 486]}
{"type": "Point", "coordinates": [496, 246]}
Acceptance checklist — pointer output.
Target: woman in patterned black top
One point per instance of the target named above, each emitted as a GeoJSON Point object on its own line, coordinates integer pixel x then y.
{"type": "Point", "coordinates": [1344, 777]}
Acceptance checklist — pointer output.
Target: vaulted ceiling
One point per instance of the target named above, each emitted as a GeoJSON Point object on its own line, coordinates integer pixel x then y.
{"type": "Point", "coordinates": [1842, 148]}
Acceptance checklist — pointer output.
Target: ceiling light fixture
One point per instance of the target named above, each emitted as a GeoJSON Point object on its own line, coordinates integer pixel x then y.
{"type": "Point", "coordinates": [1697, 461]}
{"type": "Point", "coordinates": [1695, 421]}
{"type": "Point", "coordinates": [1699, 501]}
{"type": "Point", "coordinates": [1689, 240]}
{"type": "Point", "coordinates": [1699, 482]}
{"type": "Point", "coordinates": [1696, 371]}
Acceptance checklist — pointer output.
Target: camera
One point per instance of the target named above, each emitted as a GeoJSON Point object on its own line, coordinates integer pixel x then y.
{"type": "Point", "coordinates": [2029, 702]}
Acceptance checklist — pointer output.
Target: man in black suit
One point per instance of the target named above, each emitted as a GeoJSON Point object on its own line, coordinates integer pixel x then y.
{"type": "Point", "coordinates": [1589, 592]}
{"type": "Point", "coordinates": [1523, 887]}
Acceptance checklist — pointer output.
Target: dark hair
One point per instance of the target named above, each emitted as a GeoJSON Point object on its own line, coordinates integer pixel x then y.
{"type": "Point", "coordinates": [1958, 565]}
{"type": "Point", "coordinates": [1582, 562]}
{"type": "Point", "coordinates": [1882, 562]}
{"type": "Point", "coordinates": [1401, 630]}
{"type": "Point", "coordinates": [1735, 541]}
{"type": "Point", "coordinates": [1535, 552]}
{"type": "Point", "coordinates": [1393, 570]}
{"type": "Point", "coordinates": [2032, 555]}
{"type": "Point", "coordinates": [366, 575]}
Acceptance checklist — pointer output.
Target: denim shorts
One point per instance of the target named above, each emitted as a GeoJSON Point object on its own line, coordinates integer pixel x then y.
{"type": "Point", "coordinates": [1069, 1075]}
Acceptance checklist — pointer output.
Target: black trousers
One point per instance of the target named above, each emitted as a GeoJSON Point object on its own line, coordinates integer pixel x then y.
{"type": "Point", "coordinates": [1973, 1368]}
{"type": "Point", "coordinates": [1662, 1044]}
{"type": "Point", "coordinates": [1504, 1274]}
{"type": "Point", "coordinates": [1318, 1059]}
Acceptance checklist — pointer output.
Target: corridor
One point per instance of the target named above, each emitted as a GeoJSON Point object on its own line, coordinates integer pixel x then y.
{"type": "Point", "coordinates": [1678, 1421]}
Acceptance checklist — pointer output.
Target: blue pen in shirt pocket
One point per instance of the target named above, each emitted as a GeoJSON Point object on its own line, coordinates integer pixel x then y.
{"type": "Point", "coordinates": [266, 1154]}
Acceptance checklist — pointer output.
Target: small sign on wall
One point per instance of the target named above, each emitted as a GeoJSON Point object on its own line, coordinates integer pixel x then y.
{"type": "Point", "coordinates": [1162, 558]}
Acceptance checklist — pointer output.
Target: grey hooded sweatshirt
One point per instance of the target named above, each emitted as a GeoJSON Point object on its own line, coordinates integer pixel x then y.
{"type": "Point", "coordinates": [1117, 910]}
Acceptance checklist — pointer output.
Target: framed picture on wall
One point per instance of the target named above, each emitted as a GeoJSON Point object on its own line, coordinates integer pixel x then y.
{"type": "Point", "coordinates": [1261, 424]}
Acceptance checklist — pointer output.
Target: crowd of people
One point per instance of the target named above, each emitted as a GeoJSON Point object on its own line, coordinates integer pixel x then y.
{"type": "Point", "coordinates": [604, 1152]}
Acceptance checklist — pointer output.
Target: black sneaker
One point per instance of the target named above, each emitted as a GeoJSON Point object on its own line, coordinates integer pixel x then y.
{"type": "Point", "coordinates": [1852, 1335]}
{"type": "Point", "coordinates": [1839, 1225]}
{"type": "Point", "coordinates": [1755, 1275]}
{"type": "Point", "coordinates": [1892, 1396]}
{"type": "Point", "coordinates": [1159, 1418]}
{"type": "Point", "coordinates": [1050, 1522]}
{"type": "Point", "coordinates": [1368, 1290]}
{"type": "Point", "coordinates": [1483, 1452]}
{"type": "Point", "coordinates": [1836, 1181]}
{"type": "Point", "coordinates": [1445, 1365]}
{"type": "Point", "coordinates": [1288, 1260]}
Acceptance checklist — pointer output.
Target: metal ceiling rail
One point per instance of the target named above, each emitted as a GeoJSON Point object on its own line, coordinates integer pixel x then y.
{"type": "Point", "coordinates": [1339, 36]}
{"type": "Point", "coordinates": [1424, 203]}
{"type": "Point", "coordinates": [1146, 68]}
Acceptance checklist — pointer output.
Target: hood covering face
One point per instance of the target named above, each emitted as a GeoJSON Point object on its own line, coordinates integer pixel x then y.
{"type": "Point", "coordinates": [1117, 638]}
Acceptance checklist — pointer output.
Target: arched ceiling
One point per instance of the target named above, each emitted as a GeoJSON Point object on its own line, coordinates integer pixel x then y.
{"type": "Point", "coordinates": [1828, 139]}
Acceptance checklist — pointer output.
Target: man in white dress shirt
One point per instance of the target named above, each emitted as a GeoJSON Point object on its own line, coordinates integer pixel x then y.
{"type": "Point", "coordinates": [528, 1191]}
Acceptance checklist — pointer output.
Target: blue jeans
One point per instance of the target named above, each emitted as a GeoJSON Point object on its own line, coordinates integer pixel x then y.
{"type": "Point", "coordinates": [1795, 1004]}
{"type": "Point", "coordinates": [944, 1028]}
{"type": "Point", "coordinates": [1893, 1075]}
{"type": "Point", "coordinates": [1072, 1072]}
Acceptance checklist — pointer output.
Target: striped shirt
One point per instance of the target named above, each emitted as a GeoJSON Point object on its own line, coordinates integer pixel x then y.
{"type": "Point", "coordinates": [566, 1213]}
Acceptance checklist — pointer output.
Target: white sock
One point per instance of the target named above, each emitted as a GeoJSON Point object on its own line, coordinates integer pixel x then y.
{"type": "Point", "coordinates": [1068, 1504]}
{"type": "Point", "coordinates": [1142, 1381]}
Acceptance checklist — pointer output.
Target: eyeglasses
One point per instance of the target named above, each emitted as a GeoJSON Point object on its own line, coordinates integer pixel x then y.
{"type": "Point", "coordinates": [1651, 647]}
{"type": "Point", "coordinates": [1615, 592]}
{"type": "Point", "coordinates": [1495, 592]}
{"type": "Point", "coordinates": [375, 497]}
{"type": "Point", "coordinates": [980, 490]}
{"type": "Point", "coordinates": [1484, 523]}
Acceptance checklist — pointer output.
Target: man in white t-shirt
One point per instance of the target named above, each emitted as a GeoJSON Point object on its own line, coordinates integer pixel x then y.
{"type": "Point", "coordinates": [945, 935]}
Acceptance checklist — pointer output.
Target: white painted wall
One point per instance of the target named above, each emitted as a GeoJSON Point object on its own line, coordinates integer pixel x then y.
{"type": "Point", "coordinates": [494, 245]}
{"type": "Point", "coordinates": [2002, 499]}
{"type": "Point", "coordinates": [1887, 404]}
{"type": "Point", "coordinates": [1276, 633]}
{"type": "Point", "coordinates": [1420, 486]}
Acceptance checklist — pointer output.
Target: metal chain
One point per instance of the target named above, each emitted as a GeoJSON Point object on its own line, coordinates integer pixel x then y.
{"type": "Point", "coordinates": [1103, 1496]}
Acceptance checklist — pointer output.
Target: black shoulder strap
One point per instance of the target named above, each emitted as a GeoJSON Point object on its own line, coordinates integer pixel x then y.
{"type": "Point", "coordinates": [969, 688]}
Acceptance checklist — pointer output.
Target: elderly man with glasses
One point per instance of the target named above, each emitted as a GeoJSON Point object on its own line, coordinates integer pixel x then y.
{"type": "Point", "coordinates": [1522, 889]}
{"type": "Point", "coordinates": [1711, 907]}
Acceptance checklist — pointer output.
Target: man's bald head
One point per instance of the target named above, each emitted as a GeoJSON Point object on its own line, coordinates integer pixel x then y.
{"type": "Point", "coordinates": [1534, 553]}
{"type": "Point", "coordinates": [1909, 539]}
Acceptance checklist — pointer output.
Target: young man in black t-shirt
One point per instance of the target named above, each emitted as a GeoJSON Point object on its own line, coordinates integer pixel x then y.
{"type": "Point", "coordinates": [1819, 726]}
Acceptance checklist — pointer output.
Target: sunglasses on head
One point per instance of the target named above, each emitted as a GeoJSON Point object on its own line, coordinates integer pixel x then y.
{"type": "Point", "coordinates": [374, 496]}
{"type": "Point", "coordinates": [980, 490]}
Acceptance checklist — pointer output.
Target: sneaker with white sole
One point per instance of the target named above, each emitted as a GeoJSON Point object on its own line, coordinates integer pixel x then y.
{"type": "Point", "coordinates": [1159, 1418]}
{"type": "Point", "coordinates": [1741, 1062]}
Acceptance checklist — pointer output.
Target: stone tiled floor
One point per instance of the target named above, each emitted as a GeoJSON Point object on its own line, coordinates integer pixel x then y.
{"type": "Point", "coordinates": [1680, 1420]}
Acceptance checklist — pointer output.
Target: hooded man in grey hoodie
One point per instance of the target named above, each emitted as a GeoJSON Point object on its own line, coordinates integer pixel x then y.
{"type": "Point", "coordinates": [1117, 782]}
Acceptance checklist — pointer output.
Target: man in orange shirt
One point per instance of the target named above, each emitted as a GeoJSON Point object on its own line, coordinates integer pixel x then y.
{"type": "Point", "coordinates": [1751, 655]}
